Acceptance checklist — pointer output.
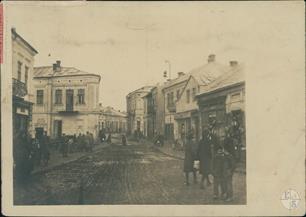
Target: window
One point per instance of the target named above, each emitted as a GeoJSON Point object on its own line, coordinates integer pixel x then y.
{"type": "Point", "coordinates": [177, 94]}
{"type": "Point", "coordinates": [168, 99]}
{"type": "Point", "coordinates": [193, 93]}
{"type": "Point", "coordinates": [40, 97]}
{"type": "Point", "coordinates": [26, 75]}
{"type": "Point", "coordinates": [19, 70]}
{"type": "Point", "coordinates": [81, 96]}
{"type": "Point", "coordinates": [188, 95]}
{"type": "Point", "coordinates": [171, 98]}
{"type": "Point", "coordinates": [58, 96]}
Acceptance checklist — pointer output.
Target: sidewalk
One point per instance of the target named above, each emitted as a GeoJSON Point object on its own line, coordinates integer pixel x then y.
{"type": "Point", "coordinates": [56, 158]}
{"type": "Point", "coordinates": [168, 150]}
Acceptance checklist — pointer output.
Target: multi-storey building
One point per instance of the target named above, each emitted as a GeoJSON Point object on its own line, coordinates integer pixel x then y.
{"type": "Point", "coordinates": [222, 103]}
{"type": "Point", "coordinates": [23, 61]}
{"type": "Point", "coordinates": [186, 116]}
{"type": "Point", "coordinates": [135, 109]}
{"type": "Point", "coordinates": [111, 120]}
{"type": "Point", "coordinates": [154, 112]}
{"type": "Point", "coordinates": [171, 91]}
{"type": "Point", "coordinates": [66, 100]}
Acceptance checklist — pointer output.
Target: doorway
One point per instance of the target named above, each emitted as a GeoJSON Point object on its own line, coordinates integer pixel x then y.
{"type": "Point", "coordinates": [39, 131]}
{"type": "Point", "coordinates": [57, 128]}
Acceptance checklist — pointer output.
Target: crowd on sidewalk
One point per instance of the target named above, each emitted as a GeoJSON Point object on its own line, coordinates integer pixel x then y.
{"type": "Point", "coordinates": [32, 153]}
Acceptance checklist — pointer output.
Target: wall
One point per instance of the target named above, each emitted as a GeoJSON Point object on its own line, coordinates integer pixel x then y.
{"type": "Point", "coordinates": [182, 104]}
{"type": "Point", "coordinates": [87, 117]}
{"type": "Point", "coordinates": [23, 54]}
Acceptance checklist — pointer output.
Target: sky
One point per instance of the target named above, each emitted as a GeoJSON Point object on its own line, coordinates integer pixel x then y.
{"type": "Point", "coordinates": [128, 43]}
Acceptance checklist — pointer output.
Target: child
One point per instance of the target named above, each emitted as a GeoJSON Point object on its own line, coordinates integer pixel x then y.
{"type": "Point", "coordinates": [223, 174]}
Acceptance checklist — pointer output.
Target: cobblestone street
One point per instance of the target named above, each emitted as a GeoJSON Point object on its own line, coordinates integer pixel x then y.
{"type": "Point", "coordinates": [133, 174]}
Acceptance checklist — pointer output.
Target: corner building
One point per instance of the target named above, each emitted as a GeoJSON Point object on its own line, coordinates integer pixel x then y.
{"type": "Point", "coordinates": [66, 101]}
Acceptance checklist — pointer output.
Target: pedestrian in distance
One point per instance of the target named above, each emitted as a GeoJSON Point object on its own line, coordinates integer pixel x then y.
{"type": "Point", "coordinates": [190, 157]}
{"type": "Point", "coordinates": [37, 147]}
{"type": "Point", "coordinates": [64, 145]}
{"type": "Point", "coordinates": [45, 148]}
{"type": "Point", "coordinates": [109, 138]}
{"type": "Point", "coordinates": [92, 141]}
{"type": "Point", "coordinates": [205, 157]}
{"type": "Point", "coordinates": [87, 142]}
{"type": "Point", "coordinates": [123, 138]}
{"type": "Point", "coordinates": [70, 144]}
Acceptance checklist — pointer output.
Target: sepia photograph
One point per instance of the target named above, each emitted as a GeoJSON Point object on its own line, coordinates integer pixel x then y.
{"type": "Point", "coordinates": [142, 103]}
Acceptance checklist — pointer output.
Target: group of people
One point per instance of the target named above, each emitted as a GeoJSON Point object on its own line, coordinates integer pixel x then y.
{"type": "Point", "coordinates": [29, 152]}
{"type": "Point", "coordinates": [215, 158]}
{"type": "Point", "coordinates": [76, 143]}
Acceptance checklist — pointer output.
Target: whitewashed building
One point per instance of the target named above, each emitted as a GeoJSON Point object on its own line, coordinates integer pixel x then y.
{"type": "Point", "coordinates": [22, 86]}
{"type": "Point", "coordinates": [136, 109]}
{"type": "Point", "coordinates": [66, 100]}
{"type": "Point", "coordinates": [112, 120]}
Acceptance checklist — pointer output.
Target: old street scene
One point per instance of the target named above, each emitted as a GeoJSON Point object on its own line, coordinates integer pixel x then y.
{"type": "Point", "coordinates": [155, 124]}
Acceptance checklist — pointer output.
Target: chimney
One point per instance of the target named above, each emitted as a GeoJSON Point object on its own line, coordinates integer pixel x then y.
{"type": "Point", "coordinates": [211, 58]}
{"type": "Point", "coordinates": [57, 66]}
{"type": "Point", "coordinates": [179, 74]}
{"type": "Point", "coordinates": [233, 63]}
{"type": "Point", "coordinates": [54, 67]}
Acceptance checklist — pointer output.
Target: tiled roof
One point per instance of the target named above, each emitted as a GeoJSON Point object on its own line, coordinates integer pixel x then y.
{"type": "Point", "coordinates": [209, 72]}
{"type": "Point", "coordinates": [111, 111]}
{"type": "Point", "coordinates": [203, 74]}
{"type": "Point", "coordinates": [47, 71]}
{"type": "Point", "coordinates": [232, 76]}
{"type": "Point", "coordinates": [176, 80]}
{"type": "Point", "coordinates": [142, 89]}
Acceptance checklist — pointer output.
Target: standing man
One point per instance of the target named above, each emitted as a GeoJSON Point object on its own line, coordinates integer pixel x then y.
{"type": "Point", "coordinates": [189, 159]}
{"type": "Point", "coordinates": [45, 148]}
{"type": "Point", "coordinates": [123, 138]}
{"type": "Point", "coordinates": [205, 157]}
{"type": "Point", "coordinates": [64, 145]}
{"type": "Point", "coordinates": [109, 138]}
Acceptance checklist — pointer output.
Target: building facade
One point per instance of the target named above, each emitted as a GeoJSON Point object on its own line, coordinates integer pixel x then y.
{"type": "Point", "coordinates": [66, 101]}
{"type": "Point", "coordinates": [222, 104]}
{"type": "Point", "coordinates": [154, 112]}
{"type": "Point", "coordinates": [22, 65]}
{"type": "Point", "coordinates": [171, 91]}
{"type": "Point", "coordinates": [187, 112]}
{"type": "Point", "coordinates": [112, 121]}
{"type": "Point", "coordinates": [136, 110]}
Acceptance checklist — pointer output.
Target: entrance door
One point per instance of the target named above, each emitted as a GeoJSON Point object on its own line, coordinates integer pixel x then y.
{"type": "Point", "coordinates": [69, 100]}
{"type": "Point", "coordinates": [39, 131]}
{"type": "Point", "coordinates": [57, 128]}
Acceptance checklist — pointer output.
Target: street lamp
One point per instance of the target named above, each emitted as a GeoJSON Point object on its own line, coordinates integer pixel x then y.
{"type": "Point", "coordinates": [169, 65]}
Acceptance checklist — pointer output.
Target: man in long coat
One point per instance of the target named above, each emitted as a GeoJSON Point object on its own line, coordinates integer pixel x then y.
{"type": "Point", "coordinates": [190, 157]}
{"type": "Point", "coordinates": [205, 157]}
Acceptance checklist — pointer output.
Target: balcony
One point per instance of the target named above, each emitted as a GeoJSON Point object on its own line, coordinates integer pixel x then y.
{"type": "Point", "coordinates": [69, 109]}
{"type": "Point", "coordinates": [171, 107]}
{"type": "Point", "coordinates": [19, 88]}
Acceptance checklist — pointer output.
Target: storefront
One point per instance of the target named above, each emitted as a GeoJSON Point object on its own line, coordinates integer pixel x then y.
{"type": "Point", "coordinates": [188, 122]}
{"type": "Point", "coordinates": [22, 115]}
